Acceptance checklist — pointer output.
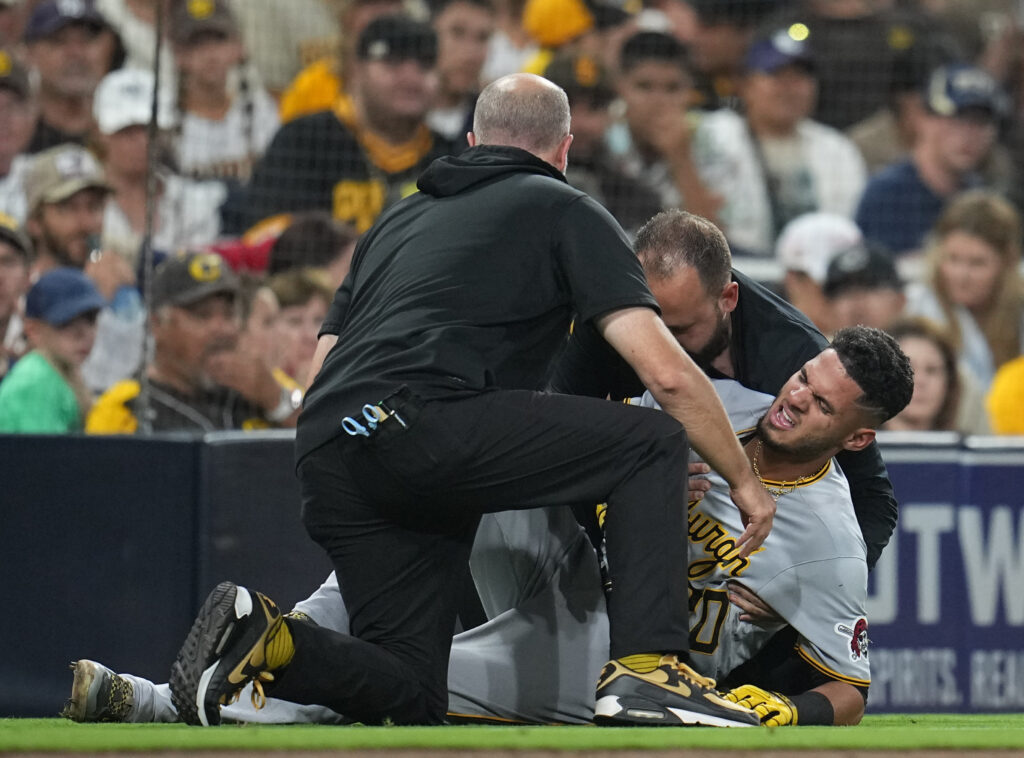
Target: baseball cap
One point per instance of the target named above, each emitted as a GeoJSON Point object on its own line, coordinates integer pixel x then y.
{"type": "Point", "coordinates": [958, 87]}
{"type": "Point", "coordinates": [184, 280]}
{"type": "Point", "coordinates": [397, 38]}
{"type": "Point", "coordinates": [50, 16]}
{"type": "Point", "coordinates": [12, 234]}
{"type": "Point", "coordinates": [864, 266]}
{"type": "Point", "coordinates": [124, 98]}
{"type": "Point", "coordinates": [810, 242]}
{"type": "Point", "coordinates": [13, 75]}
{"type": "Point", "coordinates": [196, 17]}
{"type": "Point", "coordinates": [781, 48]}
{"type": "Point", "coordinates": [581, 76]}
{"type": "Point", "coordinates": [62, 295]}
{"type": "Point", "coordinates": [58, 173]}
{"type": "Point", "coordinates": [737, 12]}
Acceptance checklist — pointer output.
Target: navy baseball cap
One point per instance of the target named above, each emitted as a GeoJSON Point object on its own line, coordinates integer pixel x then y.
{"type": "Point", "coordinates": [397, 38]}
{"type": "Point", "coordinates": [779, 49]}
{"type": "Point", "coordinates": [865, 266]}
{"type": "Point", "coordinates": [50, 16]}
{"type": "Point", "coordinates": [958, 87]}
{"type": "Point", "coordinates": [62, 295]}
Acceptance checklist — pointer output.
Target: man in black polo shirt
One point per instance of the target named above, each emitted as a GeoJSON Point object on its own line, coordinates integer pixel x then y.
{"type": "Point", "coordinates": [433, 352]}
{"type": "Point", "coordinates": [733, 328]}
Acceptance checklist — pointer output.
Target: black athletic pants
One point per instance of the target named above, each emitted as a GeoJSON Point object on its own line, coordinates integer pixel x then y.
{"type": "Point", "coordinates": [397, 514]}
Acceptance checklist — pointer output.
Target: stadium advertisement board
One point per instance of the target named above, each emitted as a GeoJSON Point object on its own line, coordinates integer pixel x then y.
{"type": "Point", "coordinates": [946, 601]}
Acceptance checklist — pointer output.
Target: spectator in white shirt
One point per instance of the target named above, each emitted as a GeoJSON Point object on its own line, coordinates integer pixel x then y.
{"type": "Point", "coordinates": [773, 163]}
{"type": "Point", "coordinates": [186, 212]}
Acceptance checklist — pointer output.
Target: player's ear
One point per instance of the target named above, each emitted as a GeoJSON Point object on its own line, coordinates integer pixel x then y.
{"type": "Point", "coordinates": [471, 139]}
{"type": "Point", "coordinates": [859, 439]}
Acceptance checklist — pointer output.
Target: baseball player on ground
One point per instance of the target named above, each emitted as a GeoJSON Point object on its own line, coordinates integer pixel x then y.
{"type": "Point", "coordinates": [536, 658]}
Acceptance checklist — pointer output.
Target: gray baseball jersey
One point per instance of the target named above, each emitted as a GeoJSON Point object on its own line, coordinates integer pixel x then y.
{"type": "Point", "coordinates": [539, 661]}
{"type": "Point", "coordinates": [811, 569]}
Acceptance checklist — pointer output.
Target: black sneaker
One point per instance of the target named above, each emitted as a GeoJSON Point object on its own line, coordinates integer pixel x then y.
{"type": "Point", "coordinates": [671, 695]}
{"type": "Point", "coordinates": [225, 649]}
{"type": "Point", "coordinates": [98, 694]}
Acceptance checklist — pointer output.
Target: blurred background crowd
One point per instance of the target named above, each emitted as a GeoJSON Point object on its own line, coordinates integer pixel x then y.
{"type": "Point", "coordinates": [200, 171]}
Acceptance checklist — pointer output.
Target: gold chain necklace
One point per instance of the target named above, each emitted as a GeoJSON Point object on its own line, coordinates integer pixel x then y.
{"type": "Point", "coordinates": [775, 492]}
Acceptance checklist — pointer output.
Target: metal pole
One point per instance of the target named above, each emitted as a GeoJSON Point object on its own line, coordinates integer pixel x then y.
{"type": "Point", "coordinates": [145, 414]}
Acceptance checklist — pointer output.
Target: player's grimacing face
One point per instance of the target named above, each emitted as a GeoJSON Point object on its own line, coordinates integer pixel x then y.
{"type": "Point", "coordinates": [814, 412]}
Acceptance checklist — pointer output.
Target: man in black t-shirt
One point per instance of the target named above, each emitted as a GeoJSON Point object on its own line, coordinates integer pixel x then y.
{"type": "Point", "coordinates": [426, 413]}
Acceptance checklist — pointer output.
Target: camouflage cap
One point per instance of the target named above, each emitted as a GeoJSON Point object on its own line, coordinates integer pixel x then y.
{"type": "Point", "coordinates": [58, 173]}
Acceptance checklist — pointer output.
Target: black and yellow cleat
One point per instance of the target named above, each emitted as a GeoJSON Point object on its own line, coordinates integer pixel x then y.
{"type": "Point", "coordinates": [238, 637]}
{"type": "Point", "coordinates": [98, 694]}
{"type": "Point", "coordinates": [672, 694]}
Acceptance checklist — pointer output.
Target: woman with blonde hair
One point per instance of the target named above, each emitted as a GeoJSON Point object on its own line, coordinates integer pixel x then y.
{"type": "Point", "coordinates": [946, 398]}
{"type": "Point", "coordinates": [973, 286]}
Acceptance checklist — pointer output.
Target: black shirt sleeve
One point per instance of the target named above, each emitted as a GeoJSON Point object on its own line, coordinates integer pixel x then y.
{"type": "Point", "coordinates": [339, 307]}
{"type": "Point", "coordinates": [597, 262]}
{"type": "Point", "coordinates": [874, 500]}
{"type": "Point", "coordinates": [589, 366]}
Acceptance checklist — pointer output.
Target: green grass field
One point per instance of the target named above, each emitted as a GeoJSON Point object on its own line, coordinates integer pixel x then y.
{"type": "Point", "coordinates": [960, 733]}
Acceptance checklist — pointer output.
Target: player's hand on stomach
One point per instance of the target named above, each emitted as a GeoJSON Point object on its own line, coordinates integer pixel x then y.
{"type": "Point", "coordinates": [753, 609]}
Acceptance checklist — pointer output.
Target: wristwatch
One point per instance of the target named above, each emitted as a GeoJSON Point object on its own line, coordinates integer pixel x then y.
{"type": "Point", "coordinates": [291, 401]}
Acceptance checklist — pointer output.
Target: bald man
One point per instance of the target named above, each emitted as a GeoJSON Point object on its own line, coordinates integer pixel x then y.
{"type": "Point", "coordinates": [426, 414]}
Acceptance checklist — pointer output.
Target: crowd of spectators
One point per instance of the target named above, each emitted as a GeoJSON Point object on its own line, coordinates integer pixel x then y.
{"type": "Point", "coordinates": [863, 157]}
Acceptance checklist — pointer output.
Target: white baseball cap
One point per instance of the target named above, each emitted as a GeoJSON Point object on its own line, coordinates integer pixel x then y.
{"type": "Point", "coordinates": [809, 242]}
{"type": "Point", "coordinates": [124, 98]}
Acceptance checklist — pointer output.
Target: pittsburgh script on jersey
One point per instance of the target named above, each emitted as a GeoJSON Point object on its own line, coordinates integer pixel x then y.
{"type": "Point", "coordinates": [717, 543]}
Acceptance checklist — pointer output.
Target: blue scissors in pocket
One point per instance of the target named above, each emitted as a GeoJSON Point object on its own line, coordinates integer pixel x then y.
{"type": "Point", "coordinates": [371, 414]}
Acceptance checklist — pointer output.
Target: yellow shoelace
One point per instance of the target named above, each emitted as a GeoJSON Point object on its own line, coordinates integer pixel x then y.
{"type": "Point", "coordinates": [257, 697]}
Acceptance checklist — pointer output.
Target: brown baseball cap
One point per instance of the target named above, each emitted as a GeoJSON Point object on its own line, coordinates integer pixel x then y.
{"type": "Point", "coordinates": [58, 173]}
{"type": "Point", "coordinates": [12, 234]}
{"type": "Point", "coordinates": [195, 17]}
{"type": "Point", "coordinates": [13, 75]}
{"type": "Point", "coordinates": [184, 280]}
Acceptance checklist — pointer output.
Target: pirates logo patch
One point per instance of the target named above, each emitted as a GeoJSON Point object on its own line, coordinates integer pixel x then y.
{"type": "Point", "coordinates": [858, 638]}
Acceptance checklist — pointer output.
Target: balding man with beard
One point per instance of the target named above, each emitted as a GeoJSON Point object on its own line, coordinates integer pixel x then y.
{"type": "Point", "coordinates": [426, 413]}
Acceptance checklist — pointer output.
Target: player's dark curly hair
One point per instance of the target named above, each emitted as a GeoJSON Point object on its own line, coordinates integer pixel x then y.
{"type": "Point", "coordinates": [874, 360]}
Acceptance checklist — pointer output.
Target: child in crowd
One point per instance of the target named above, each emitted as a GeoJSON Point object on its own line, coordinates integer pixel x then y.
{"type": "Point", "coordinates": [304, 296]}
{"type": "Point", "coordinates": [44, 393]}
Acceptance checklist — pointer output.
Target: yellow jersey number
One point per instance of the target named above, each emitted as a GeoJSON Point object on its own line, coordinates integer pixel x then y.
{"type": "Point", "coordinates": [708, 611]}
{"type": "Point", "coordinates": [359, 203]}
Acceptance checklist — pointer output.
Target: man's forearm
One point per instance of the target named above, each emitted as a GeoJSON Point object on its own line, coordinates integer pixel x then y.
{"type": "Point", "coordinates": [323, 347]}
{"type": "Point", "coordinates": [682, 390]}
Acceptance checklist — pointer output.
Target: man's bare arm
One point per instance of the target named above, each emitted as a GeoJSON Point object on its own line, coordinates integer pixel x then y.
{"type": "Point", "coordinates": [323, 347]}
{"type": "Point", "coordinates": [684, 392]}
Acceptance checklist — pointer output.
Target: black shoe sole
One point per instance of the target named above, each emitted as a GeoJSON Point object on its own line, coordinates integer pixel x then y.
{"type": "Point", "coordinates": [207, 639]}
